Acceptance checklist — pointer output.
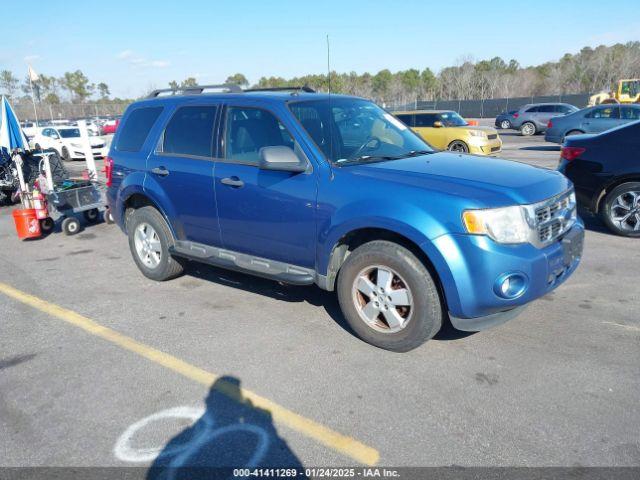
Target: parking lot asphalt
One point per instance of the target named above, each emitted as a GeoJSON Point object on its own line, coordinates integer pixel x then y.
{"type": "Point", "coordinates": [100, 366]}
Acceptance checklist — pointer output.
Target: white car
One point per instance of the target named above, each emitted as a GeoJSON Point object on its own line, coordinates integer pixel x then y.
{"type": "Point", "coordinates": [29, 129]}
{"type": "Point", "coordinates": [66, 141]}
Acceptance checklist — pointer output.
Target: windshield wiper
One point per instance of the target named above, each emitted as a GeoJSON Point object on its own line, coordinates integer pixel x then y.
{"type": "Point", "coordinates": [381, 158]}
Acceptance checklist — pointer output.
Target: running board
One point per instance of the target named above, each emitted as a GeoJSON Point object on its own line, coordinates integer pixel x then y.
{"type": "Point", "coordinates": [242, 262]}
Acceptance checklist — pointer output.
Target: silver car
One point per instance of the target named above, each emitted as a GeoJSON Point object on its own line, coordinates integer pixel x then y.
{"type": "Point", "coordinates": [533, 117]}
{"type": "Point", "coordinates": [591, 120]}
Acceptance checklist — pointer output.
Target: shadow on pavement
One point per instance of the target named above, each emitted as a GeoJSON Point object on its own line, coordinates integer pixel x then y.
{"type": "Point", "coordinates": [231, 433]}
{"type": "Point", "coordinates": [294, 293]}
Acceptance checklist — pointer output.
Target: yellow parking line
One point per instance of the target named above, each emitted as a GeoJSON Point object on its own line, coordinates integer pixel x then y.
{"type": "Point", "coordinates": [341, 443]}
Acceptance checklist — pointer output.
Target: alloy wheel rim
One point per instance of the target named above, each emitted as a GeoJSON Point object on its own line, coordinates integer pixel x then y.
{"type": "Point", "coordinates": [382, 299]}
{"type": "Point", "coordinates": [505, 124]}
{"type": "Point", "coordinates": [625, 211]}
{"type": "Point", "coordinates": [457, 147]}
{"type": "Point", "coordinates": [147, 243]}
{"type": "Point", "coordinates": [527, 129]}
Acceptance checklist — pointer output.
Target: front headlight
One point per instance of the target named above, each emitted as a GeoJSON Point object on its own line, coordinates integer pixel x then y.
{"type": "Point", "coordinates": [477, 133]}
{"type": "Point", "coordinates": [504, 225]}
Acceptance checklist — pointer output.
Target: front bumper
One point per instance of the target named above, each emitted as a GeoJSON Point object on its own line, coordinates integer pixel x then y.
{"type": "Point", "coordinates": [476, 262]}
{"type": "Point", "coordinates": [486, 146]}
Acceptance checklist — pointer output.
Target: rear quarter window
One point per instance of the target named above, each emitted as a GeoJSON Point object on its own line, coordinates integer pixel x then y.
{"type": "Point", "coordinates": [136, 128]}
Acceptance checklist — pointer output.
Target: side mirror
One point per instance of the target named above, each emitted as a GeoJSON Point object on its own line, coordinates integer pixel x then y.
{"type": "Point", "coordinates": [281, 158]}
{"type": "Point", "coordinates": [437, 124]}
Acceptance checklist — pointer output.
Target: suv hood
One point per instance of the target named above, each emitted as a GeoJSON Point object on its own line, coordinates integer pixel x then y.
{"type": "Point", "coordinates": [484, 181]}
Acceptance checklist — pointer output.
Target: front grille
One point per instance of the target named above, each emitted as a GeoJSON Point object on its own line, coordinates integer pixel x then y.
{"type": "Point", "coordinates": [554, 217]}
{"type": "Point", "coordinates": [98, 146]}
{"type": "Point", "coordinates": [493, 136]}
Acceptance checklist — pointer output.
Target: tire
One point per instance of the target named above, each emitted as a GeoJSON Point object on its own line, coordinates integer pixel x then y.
{"type": "Point", "coordinates": [46, 225]}
{"type": "Point", "coordinates": [620, 210]}
{"type": "Point", "coordinates": [66, 156]}
{"type": "Point", "coordinates": [458, 146]}
{"type": "Point", "coordinates": [70, 226]}
{"type": "Point", "coordinates": [410, 326]}
{"type": "Point", "coordinates": [149, 242]}
{"type": "Point", "coordinates": [505, 124]}
{"type": "Point", "coordinates": [92, 216]}
{"type": "Point", "coordinates": [37, 147]}
{"type": "Point", "coordinates": [528, 129]}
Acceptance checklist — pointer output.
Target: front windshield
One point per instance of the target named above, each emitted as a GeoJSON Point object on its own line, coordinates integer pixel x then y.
{"type": "Point", "coordinates": [452, 119]}
{"type": "Point", "coordinates": [350, 130]}
{"type": "Point", "coordinates": [69, 133]}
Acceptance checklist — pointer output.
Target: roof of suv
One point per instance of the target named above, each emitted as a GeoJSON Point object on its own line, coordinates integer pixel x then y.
{"type": "Point", "coordinates": [266, 96]}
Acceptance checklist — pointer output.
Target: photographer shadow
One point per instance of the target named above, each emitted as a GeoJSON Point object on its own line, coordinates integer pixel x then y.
{"type": "Point", "coordinates": [231, 434]}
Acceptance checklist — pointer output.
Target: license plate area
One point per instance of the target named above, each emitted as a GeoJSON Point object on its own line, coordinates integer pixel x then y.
{"type": "Point", "coordinates": [572, 246]}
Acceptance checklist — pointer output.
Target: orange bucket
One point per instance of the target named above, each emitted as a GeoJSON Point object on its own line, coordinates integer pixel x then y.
{"type": "Point", "coordinates": [27, 224]}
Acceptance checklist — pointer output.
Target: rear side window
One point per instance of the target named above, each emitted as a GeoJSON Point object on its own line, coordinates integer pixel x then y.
{"type": "Point", "coordinates": [406, 119]}
{"type": "Point", "coordinates": [426, 119]}
{"type": "Point", "coordinates": [190, 131]}
{"type": "Point", "coordinates": [604, 112]}
{"type": "Point", "coordinates": [136, 129]}
{"type": "Point", "coordinates": [532, 110]}
{"type": "Point", "coordinates": [547, 108]}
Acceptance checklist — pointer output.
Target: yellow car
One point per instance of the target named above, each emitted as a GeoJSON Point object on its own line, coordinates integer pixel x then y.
{"type": "Point", "coordinates": [446, 130]}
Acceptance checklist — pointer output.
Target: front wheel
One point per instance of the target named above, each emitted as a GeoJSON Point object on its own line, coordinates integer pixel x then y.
{"type": "Point", "coordinates": [149, 241]}
{"type": "Point", "coordinates": [621, 210]}
{"type": "Point", "coordinates": [528, 129]}
{"type": "Point", "coordinates": [505, 124]}
{"type": "Point", "coordinates": [388, 296]}
{"type": "Point", "coordinates": [458, 146]}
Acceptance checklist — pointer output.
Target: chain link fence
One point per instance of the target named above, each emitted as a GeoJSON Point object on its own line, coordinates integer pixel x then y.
{"type": "Point", "coordinates": [67, 111]}
{"type": "Point", "coordinates": [489, 108]}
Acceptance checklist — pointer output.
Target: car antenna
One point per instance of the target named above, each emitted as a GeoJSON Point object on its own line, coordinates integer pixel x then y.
{"type": "Point", "coordinates": [329, 92]}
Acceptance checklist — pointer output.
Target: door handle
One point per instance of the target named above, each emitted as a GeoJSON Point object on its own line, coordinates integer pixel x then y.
{"type": "Point", "coordinates": [232, 182]}
{"type": "Point", "coordinates": [161, 171]}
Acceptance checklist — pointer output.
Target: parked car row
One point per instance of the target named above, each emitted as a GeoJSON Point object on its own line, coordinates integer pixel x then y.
{"type": "Point", "coordinates": [534, 117]}
{"type": "Point", "coordinates": [95, 125]}
{"type": "Point", "coordinates": [66, 141]}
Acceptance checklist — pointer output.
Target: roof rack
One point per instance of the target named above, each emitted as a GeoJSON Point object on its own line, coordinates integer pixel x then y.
{"type": "Point", "coordinates": [304, 88]}
{"type": "Point", "coordinates": [196, 89]}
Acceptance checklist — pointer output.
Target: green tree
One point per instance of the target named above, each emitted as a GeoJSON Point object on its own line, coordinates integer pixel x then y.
{"type": "Point", "coordinates": [173, 85]}
{"type": "Point", "coordinates": [8, 83]}
{"type": "Point", "coordinates": [103, 89]}
{"type": "Point", "coordinates": [52, 99]}
{"type": "Point", "coordinates": [188, 82]}
{"type": "Point", "coordinates": [238, 79]}
{"type": "Point", "coordinates": [381, 83]}
{"type": "Point", "coordinates": [78, 86]}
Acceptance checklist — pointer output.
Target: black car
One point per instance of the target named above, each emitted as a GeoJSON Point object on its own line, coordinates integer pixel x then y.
{"type": "Point", "coordinates": [505, 120]}
{"type": "Point", "coordinates": [605, 169]}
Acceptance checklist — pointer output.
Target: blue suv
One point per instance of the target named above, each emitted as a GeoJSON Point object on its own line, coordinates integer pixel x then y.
{"type": "Point", "coordinates": [303, 188]}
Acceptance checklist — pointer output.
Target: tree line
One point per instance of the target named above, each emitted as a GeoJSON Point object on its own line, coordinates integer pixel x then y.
{"type": "Point", "coordinates": [590, 70]}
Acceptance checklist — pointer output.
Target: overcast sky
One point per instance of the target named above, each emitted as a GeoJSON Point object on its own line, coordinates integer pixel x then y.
{"type": "Point", "coordinates": [132, 45]}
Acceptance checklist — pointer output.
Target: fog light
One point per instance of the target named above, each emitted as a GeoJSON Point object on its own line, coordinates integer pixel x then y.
{"type": "Point", "coordinates": [510, 285]}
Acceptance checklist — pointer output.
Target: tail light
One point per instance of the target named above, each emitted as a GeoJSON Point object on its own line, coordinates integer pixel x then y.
{"type": "Point", "coordinates": [108, 170]}
{"type": "Point", "coordinates": [571, 153]}
{"type": "Point", "coordinates": [549, 124]}
{"type": "Point", "coordinates": [516, 115]}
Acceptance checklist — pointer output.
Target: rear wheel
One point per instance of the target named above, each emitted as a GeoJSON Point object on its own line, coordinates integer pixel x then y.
{"type": "Point", "coordinates": [621, 209]}
{"type": "Point", "coordinates": [527, 129]}
{"type": "Point", "coordinates": [92, 215]}
{"type": "Point", "coordinates": [149, 241]}
{"type": "Point", "coordinates": [388, 296]}
{"type": "Point", "coordinates": [458, 146]}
